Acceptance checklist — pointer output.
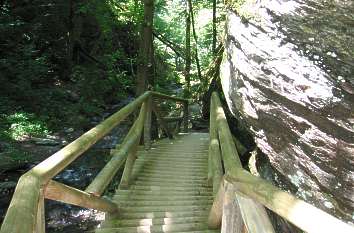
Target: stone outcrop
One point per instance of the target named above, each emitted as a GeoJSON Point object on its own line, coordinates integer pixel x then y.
{"type": "Point", "coordinates": [288, 75]}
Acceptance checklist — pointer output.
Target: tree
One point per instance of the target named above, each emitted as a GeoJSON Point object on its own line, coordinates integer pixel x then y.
{"type": "Point", "coordinates": [145, 73]}
{"type": "Point", "coordinates": [214, 28]}
{"type": "Point", "coordinates": [196, 41]}
{"type": "Point", "coordinates": [188, 52]}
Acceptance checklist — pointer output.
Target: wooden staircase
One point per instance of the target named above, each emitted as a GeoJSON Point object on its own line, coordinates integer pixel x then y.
{"type": "Point", "coordinates": [168, 191]}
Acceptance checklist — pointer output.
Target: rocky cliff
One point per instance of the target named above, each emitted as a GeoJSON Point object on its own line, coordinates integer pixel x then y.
{"type": "Point", "coordinates": [288, 76]}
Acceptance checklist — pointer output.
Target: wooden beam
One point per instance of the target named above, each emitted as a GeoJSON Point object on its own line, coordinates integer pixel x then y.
{"type": "Point", "coordinates": [147, 124]}
{"type": "Point", "coordinates": [229, 152]}
{"type": "Point", "coordinates": [185, 117]}
{"type": "Point", "coordinates": [215, 162]}
{"type": "Point", "coordinates": [254, 215]}
{"type": "Point", "coordinates": [66, 194]}
{"type": "Point", "coordinates": [216, 211]}
{"type": "Point", "coordinates": [40, 223]}
{"type": "Point", "coordinates": [126, 177]}
{"type": "Point", "coordinates": [163, 96]}
{"type": "Point", "coordinates": [303, 215]}
{"type": "Point", "coordinates": [23, 206]}
{"type": "Point", "coordinates": [232, 221]}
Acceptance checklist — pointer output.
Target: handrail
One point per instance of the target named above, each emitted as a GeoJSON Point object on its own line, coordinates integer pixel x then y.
{"type": "Point", "coordinates": [251, 191]}
{"type": "Point", "coordinates": [27, 203]}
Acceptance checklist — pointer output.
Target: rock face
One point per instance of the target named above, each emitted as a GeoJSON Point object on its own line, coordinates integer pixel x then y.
{"type": "Point", "coordinates": [288, 75]}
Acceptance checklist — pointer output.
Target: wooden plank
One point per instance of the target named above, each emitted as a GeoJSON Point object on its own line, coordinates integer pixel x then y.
{"type": "Point", "coordinates": [23, 206]}
{"type": "Point", "coordinates": [229, 152]}
{"type": "Point", "coordinates": [303, 215]}
{"type": "Point", "coordinates": [254, 215]}
{"type": "Point", "coordinates": [126, 177]}
{"type": "Point", "coordinates": [63, 193]}
{"type": "Point", "coordinates": [105, 176]}
{"type": "Point", "coordinates": [214, 150]}
{"type": "Point", "coordinates": [147, 124]}
{"type": "Point", "coordinates": [216, 211]}
{"type": "Point", "coordinates": [232, 221]}
{"type": "Point", "coordinates": [185, 117]}
{"type": "Point", "coordinates": [40, 224]}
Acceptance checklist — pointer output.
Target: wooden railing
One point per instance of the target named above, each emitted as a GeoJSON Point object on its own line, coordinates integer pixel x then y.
{"type": "Point", "coordinates": [26, 211]}
{"type": "Point", "coordinates": [241, 198]}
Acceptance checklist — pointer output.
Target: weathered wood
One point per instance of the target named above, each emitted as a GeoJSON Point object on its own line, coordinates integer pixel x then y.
{"type": "Point", "coordinates": [229, 153]}
{"type": "Point", "coordinates": [105, 176]}
{"type": "Point", "coordinates": [40, 224]}
{"type": "Point", "coordinates": [161, 121]}
{"type": "Point", "coordinates": [216, 211]}
{"type": "Point", "coordinates": [232, 221]}
{"type": "Point", "coordinates": [167, 97]}
{"type": "Point", "coordinates": [24, 206]}
{"type": "Point", "coordinates": [215, 161]}
{"type": "Point", "coordinates": [63, 193]}
{"type": "Point", "coordinates": [147, 124]}
{"type": "Point", "coordinates": [58, 161]}
{"type": "Point", "coordinates": [303, 215]}
{"type": "Point", "coordinates": [254, 215]}
{"type": "Point", "coordinates": [185, 117]}
{"type": "Point", "coordinates": [172, 119]}
{"type": "Point", "coordinates": [125, 181]}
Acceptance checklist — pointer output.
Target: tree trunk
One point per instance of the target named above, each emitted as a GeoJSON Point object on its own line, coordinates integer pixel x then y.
{"type": "Point", "coordinates": [188, 53]}
{"type": "Point", "coordinates": [145, 72]}
{"type": "Point", "coordinates": [196, 43]}
{"type": "Point", "coordinates": [214, 28]}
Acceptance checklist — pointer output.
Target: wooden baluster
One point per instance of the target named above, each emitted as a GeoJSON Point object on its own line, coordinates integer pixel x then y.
{"type": "Point", "coordinates": [40, 223]}
{"type": "Point", "coordinates": [185, 116]}
{"type": "Point", "coordinates": [126, 177]}
{"type": "Point", "coordinates": [215, 214]}
{"type": "Point", "coordinates": [147, 124]}
{"type": "Point", "coordinates": [232, 221]}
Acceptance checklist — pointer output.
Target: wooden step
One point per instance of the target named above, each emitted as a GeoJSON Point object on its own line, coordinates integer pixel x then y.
{"type": "Point", "coordinates": [134, 197]}
{"type": "Point", "coordinates": [165, 208]}
{"type": "Point", "coordinates": [172, 177]}
{"type": "Point", "coordinates": [153, 221]}
{"type": "Point", "coordinates": [168, 188]}
{"type": "Point", "coordinates": [170, 172]}
{"type": "Point", "coordinates": [162, 214]}
{"type": "Point", "coordinates": [143, 203]}
{"type": "Point", "coordinates": [171, 180]}
{"type": "Point", "coordinates": [156, 229]}
{"type": "Point", "coordinates": [175, 163]}
{"type": "Point", "coordinates": [168, 192]}
{"type": "Point", "coordinates": [170, 183]}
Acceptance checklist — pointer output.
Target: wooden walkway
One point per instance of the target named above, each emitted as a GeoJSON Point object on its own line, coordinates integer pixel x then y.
{"type": "Point", "coordinates": [165, 189]}
{"type": "Point", "coordinates": [168, 191]}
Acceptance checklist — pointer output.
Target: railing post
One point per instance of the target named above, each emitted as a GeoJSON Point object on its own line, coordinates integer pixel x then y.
{"type": "Point", "coordinates": [126, 177]}
{"type": "Point", "coordinates": [40, 223]}
{"type": "Point", "coordinates": [232, 221]}
{"type": "Point", "coordinates": [215, 214]}
{"type": "Point", "coordinates": [185, 116]}
{"type": "Point", "coordinates": [147, 124]}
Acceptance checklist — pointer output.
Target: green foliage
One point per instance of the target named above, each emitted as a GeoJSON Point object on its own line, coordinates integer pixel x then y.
{"type": "Point", "coordinates": [20, 125]}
